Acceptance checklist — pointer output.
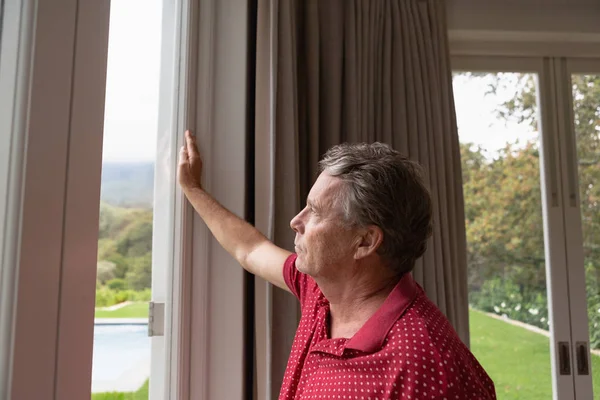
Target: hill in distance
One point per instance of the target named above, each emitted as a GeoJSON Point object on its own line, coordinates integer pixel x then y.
{"type": "Point", "coordinates": [128, 185]}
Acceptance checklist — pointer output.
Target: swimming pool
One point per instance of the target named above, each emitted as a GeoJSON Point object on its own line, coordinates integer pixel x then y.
{"type": "Point", "coordinates": [121, 359]}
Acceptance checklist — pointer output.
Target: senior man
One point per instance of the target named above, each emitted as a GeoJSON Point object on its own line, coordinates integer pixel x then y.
{"type": "Point", "coordinates": [367, 329]}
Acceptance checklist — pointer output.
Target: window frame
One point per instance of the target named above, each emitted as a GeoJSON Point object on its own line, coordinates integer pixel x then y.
{"type": "Point", "coordinates": [16, 35]}
{"type": "Point", "coordinates": [57, 111]}
{"type": "Point", "coordinates": [171, 264]}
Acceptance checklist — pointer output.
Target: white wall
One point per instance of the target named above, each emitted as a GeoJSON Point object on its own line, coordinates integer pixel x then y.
{"type": "Point", "coordinates": [524, 28]}
{"type": "Point", "coordinates": [559, 16]}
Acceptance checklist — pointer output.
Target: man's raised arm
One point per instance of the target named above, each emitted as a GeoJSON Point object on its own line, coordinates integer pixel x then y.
{"type": "Point", "coordinates": [243, 241]}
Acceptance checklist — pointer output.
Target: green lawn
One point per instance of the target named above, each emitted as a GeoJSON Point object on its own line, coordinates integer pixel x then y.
{"type": "Point", "coordinates": [517, 360]}
{"type": "Point", "coordinates": [141, 394]}
{"type": "Point", "coordinates": [135, 310]}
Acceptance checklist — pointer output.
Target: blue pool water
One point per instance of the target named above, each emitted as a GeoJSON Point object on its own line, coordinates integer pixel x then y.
{"type": "Point", "coordinates": [120, 351]}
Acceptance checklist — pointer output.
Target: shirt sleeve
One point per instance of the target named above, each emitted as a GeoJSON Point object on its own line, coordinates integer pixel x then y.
{"type": "Point", "coordinates": [300, 284]}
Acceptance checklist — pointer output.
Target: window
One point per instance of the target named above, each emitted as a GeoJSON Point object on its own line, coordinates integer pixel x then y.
{"type": "Point", "coordinates": [528, 131]}
{"type": "Point", "coordinates": [139, 248]}
{"type": "Point", "coordinates": [12, 137]}
{"type": "Point", "coordinates": [122, 348]}
{"type": "Point", "coordinates": [500, 147]}
{"type": "Point", "coordinates": [56, 102]}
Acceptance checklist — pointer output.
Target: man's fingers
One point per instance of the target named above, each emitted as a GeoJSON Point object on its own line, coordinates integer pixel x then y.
{"type": "Point", "coordinates": [183, 155]}
{"type": "Point", "coordinates": [192, 149]}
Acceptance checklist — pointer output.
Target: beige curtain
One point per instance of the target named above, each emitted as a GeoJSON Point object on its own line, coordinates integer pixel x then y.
{"type": "Point", "coordinates": [355, 70]}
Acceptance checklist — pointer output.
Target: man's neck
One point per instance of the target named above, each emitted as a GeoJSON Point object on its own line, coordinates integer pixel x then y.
{"type": "Point", "coordinates": [353, 302]}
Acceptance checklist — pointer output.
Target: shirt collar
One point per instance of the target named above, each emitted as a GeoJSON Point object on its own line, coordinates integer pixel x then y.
{"type": "Point", "coordinates": [371, 336]}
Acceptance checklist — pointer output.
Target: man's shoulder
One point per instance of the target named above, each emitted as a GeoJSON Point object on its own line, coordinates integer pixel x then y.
{"type": "Point", "coordinates": [424, 340]}
{"type": "Point", "coordinates": [423, 323]}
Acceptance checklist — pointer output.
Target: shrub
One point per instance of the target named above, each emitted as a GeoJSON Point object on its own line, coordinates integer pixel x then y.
{"type": "Point", "coordinates": [143, 295]}
{"type": "Point", "coordinates": [528, 305]}
{"type": "Point", "coordinates": [105, 271]}
{"type": "Point", "coordinates": [139, 276]}
{"type": "Point", "coordinates": [593, 303]}
{"type": "Point", "coordinates": [105, 297]}
{"type": "Point", "coordinates": [117, 284]}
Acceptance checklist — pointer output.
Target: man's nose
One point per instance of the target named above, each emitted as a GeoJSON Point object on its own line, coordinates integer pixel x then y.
{"type": "Point", "coordinates": [296, 223]}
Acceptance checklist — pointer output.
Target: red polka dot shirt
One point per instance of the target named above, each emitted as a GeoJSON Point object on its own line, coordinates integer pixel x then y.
{"type": "Point", "coordinates": [406, 350]}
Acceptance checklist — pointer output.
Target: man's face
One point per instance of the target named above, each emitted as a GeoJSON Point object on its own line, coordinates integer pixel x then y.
{"type": "Point", "coordinates": [325, 246]}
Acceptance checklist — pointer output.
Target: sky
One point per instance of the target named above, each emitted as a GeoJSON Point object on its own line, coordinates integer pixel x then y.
{"type": "Point", "coordinates": [131, 112]}
{"type": "Point", "coordinates": [476, 118]}
{"type": "Point", "coordinates": [131, 105]}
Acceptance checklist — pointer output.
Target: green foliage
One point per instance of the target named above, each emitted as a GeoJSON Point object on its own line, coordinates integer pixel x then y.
{"type": "Point", "coordinates": [593, 290]}
{"type": "Point", "coordinates": [140, 394]}
{"type": "Point", "coordinates": [136, 238]}
{"type": "Point", "coordinates": [107, 297]}
{"type": "Point", "coordinates": [105, 271]}
{"type": "Point", "coordinates": [124, 254]}
{"type": "Point", "coordinates": [121, 264]}
{"type": "Point", "coordinates": [117, 284]}
{"type": "Point", "coordinates": [506, 298]}
{"type": "Point", "coordinates": [504, 218]}
{"type": "Point", "coordinates": [139, 275]}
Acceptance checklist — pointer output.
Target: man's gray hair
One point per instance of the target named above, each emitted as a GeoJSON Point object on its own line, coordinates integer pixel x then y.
{"type": "Point", "coordinates": [386, 189]}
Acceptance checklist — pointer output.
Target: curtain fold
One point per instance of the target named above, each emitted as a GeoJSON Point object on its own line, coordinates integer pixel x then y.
{"type": "Point", "coordinates": [363, 71]}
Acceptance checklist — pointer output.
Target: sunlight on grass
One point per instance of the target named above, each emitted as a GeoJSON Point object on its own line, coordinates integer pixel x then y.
{"type": "Point", "coordinates": [140, 394]}
{"type": "Point", "coordinates": [135, 310]}
{"type": "Point", "coordinates": [517, 360]}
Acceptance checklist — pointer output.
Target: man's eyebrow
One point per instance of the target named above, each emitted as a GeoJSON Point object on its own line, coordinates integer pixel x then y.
{"type": "Point", "coordinates": [312, 204]}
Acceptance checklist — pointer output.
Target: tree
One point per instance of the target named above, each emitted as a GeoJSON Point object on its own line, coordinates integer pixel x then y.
{"type": "Point", "coordinates": [586, 107]}
{"type": "Point", "coordinates": [503, 217]}
{"type": "Point", "coordinates": [139, 276]}
{"type": "Point", "coordinates": [502, 200]}
{"type": "Point", "coordinates": [125, 243]}
{"type": "Point", "coordinates": [106, 271]}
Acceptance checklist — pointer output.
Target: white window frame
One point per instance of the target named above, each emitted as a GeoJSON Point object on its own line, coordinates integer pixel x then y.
{"type": "Point", "coordinates": [217, 328]}
{"type": "Point", "coordinates": [15, 64]}
{"type": "Point", "coordinates": [57, 111]}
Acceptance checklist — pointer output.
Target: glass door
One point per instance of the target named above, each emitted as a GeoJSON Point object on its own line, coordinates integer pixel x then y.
{"type": "Point", "coordinates": [583, 87]}
{"type": "Point", "coordinates": [122, 348]}
{"type": "Point", "coordinates": [519, 321]}
{"type": "Point", "coordinates": [137, 325]}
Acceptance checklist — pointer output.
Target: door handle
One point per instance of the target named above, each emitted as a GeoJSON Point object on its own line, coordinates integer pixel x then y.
{"type": "Point", "coordinates": [564, 358]}
{"type": "Point", "coordinates": [583, 367]}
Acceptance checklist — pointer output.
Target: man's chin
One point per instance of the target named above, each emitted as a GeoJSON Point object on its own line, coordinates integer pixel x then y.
{"type": "Point", "coordinates": [300, 266]}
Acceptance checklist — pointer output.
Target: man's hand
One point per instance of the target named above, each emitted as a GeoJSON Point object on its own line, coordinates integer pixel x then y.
{"type": "Point", "coordinates": [189, 171]}
{"type": "Point", "coordinates": [240, 239]}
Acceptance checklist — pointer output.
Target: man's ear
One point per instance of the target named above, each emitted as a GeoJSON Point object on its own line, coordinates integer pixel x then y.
{"type": "Point", "coordinates": [370, 240]}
